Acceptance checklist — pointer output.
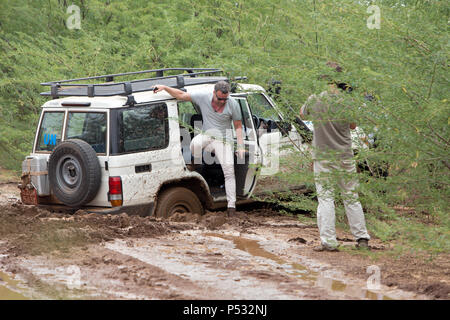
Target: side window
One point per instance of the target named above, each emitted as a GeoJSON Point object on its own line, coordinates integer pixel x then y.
{"type": "Point", "coordinates": [247, 128]}
{"type": "Point", "coordinates": [143, 128]}
{"type": "Point", "coordinates": [90, 127]}
{"type": "Point", "coordinates": [50, 131]}
{"type": "Point", "coordinates": [261, 107]}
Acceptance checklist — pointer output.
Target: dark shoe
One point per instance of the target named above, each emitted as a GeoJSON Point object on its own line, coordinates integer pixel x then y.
{"type": "Point", "coordinates": [325, 247]}
{"type": "Point", "coordinates": [231, 212]}
{"type": "Point", "coordinates": [362, 244]}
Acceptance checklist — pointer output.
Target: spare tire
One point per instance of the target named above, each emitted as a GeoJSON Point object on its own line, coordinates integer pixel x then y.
{"type": "Point", "coordinates": [74, 172]}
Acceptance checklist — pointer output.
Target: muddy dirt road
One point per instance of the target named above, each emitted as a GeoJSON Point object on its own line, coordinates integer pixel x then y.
{"type": "Point", "coordinates": [258, 254]}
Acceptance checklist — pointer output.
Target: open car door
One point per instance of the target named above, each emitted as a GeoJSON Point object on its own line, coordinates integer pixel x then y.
{"type": "Point", "coordinates": [277, 139]}
{"type": "Point", "coordinates": [247, 169]}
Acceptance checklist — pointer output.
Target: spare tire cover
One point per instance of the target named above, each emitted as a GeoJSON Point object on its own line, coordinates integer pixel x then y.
{"type": "Point", "coordinates": [74, 172]}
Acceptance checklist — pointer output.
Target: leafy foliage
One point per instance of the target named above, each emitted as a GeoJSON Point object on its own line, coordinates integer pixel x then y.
{"type": "Point", "coordinates": [403, 65]}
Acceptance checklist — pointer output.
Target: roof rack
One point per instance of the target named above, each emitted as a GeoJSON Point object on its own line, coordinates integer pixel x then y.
{"type": "Point", "coordinates": [188, 76]}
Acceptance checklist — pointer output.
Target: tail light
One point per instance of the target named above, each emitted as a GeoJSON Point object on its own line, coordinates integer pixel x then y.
{"type": "Point", "coordinates": [115, 191]}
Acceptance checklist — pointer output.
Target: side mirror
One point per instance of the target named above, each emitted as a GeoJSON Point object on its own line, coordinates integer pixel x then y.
{"type": "Point", "coordinates": [256, 121]}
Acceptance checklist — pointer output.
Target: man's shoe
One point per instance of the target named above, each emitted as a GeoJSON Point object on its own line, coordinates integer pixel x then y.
{"type": "Point", "coordinates": [231, 212]}
{"type": "Point", "coordinates": [362, 244]}
{"type": "Point", "coordinates": [325, 247]}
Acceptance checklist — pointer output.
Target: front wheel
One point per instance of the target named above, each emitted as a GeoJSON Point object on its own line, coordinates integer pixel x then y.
{"type": "Point", "coordinates": [177, 200]}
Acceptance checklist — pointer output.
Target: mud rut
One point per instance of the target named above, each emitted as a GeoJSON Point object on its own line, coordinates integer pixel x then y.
{"type": "Point", "coordinates": [257, 254]}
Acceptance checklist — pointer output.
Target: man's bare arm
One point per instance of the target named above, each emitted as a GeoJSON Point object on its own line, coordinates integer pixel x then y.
{"type": "Point", "coordinates": [240, 140]}
{"type": "Point", "coordinates": [176, 93]}
{"type": "Point", "coordinates": [238, 128]}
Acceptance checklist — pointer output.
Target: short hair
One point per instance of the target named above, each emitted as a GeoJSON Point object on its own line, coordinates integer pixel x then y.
{"type": "Point", "coordinates": [222, 86]}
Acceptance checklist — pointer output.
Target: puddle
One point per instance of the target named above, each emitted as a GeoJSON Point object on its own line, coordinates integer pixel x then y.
{"type": "Point", "coordinates": [209, 273]}
{"type": "Point", "coordinates": [228, 266]}
{"type": "Point", "coordinates": [5, 292]}
{"type": "Point", "coordinates": [318, 279]}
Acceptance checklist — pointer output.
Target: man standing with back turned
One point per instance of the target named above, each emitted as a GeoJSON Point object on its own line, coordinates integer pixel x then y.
{"type": "Point", "coordinates": [218, 110]}
{"type": "Point", "coordinates": [334, 166]}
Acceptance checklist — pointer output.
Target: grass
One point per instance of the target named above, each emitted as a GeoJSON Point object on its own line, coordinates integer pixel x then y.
{"type": "Point", "coordinates": [370, 254]}
{"type": "Point", "coordinates": [8, 175]}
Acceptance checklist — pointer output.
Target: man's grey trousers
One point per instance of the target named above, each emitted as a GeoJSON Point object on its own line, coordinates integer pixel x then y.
{"type": "Point", "coordinates": [328, 176]}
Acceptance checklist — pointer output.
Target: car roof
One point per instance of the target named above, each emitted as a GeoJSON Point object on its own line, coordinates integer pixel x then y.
{"type": "Point", "coordinates": [246, 87]}
{"type": "Point", "coordinates": [120, 101]}
{"type": "Point", "coordinates": [140, 97]}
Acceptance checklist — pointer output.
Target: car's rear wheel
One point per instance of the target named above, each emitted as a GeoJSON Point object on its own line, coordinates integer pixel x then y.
{"type": "Point", "coordinates": [74, 172]}
{"type": "Point", "coordinates": [177, 200]}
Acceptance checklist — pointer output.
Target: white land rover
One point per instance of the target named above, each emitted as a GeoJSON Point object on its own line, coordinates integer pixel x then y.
{"type": "Point", "coordinates": [119, 147]}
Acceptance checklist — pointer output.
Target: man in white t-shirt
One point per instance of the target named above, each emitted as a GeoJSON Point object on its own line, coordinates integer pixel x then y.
{"type": "Point", "coordinates": [218, 109]}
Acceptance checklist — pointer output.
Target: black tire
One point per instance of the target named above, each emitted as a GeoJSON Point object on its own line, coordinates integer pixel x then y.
{"type": "Point", "coordinates": [177, 199]}
{"type": "Point", "coordinates": [74, 172]}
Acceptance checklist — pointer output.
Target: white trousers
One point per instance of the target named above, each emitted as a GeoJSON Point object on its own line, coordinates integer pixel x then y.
{"type": "Point", "coordinates": [327, 175]}
{"type": "Point", "coordinates": [225, 155]}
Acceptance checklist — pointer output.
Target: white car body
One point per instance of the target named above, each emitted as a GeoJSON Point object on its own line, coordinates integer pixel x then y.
{"type": "Point", "coordinates": [166, 167]}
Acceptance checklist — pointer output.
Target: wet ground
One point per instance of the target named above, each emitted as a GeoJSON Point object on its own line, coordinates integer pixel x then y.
{"type": "Point", "coordinates": [257, 254]}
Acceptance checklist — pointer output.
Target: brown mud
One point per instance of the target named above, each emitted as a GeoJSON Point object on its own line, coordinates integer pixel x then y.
{"type": "Point", "coordinates": [256, 254]}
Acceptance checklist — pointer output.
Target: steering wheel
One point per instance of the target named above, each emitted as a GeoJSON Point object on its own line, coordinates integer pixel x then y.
{"type": "Point", "coordinates": [256, 121]}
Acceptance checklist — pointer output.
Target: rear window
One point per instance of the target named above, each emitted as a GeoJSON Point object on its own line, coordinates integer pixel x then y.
{"type": "Point", "coordinates": [141, 128]}
{"type": "Point", "coordinates": [90, 127]}
{"type": "Point", "coordinates": [50, 131]}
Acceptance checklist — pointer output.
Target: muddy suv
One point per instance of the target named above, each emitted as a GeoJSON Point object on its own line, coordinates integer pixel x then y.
{"type": "Point", "coordinates": [118, 146]}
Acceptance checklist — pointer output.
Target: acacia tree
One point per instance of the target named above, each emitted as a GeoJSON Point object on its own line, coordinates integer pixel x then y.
{"type": "Point", "coordinates": [403, 65]}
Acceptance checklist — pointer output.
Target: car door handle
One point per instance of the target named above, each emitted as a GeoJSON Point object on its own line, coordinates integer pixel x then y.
{"type": "Point", "coordinates": [143, 168]}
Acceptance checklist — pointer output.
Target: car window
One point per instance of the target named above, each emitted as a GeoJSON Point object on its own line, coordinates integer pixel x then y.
{"type": "Point", "coordinates": [143, 128]}
{"type": "Point", "coordinates": [261, 107]}
{"type": "Point", "coordinates": [247, 128]}
{"type": "Point", "coordinates": [50, 131]}
{"type": "Point", "coordinates": [88, 126]}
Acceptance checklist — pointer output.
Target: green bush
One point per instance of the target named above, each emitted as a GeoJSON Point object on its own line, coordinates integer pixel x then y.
{"type": "Point", "coordinates": [403, 65]}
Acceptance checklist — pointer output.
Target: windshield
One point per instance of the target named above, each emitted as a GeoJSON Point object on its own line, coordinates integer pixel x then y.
{"type": "Point", "coordinates": [261, 107]}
